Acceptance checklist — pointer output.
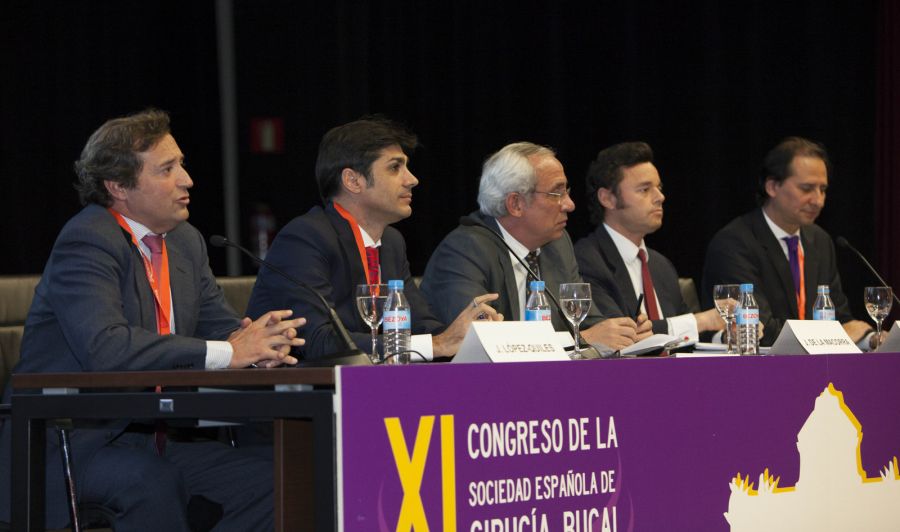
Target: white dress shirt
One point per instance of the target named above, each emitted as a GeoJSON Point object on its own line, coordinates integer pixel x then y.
{"type": "Point", "coordinates": [684, 325]}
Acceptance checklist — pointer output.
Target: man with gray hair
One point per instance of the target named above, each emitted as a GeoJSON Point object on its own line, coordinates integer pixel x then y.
{"type": "Point", "coordinates": [524, 199]}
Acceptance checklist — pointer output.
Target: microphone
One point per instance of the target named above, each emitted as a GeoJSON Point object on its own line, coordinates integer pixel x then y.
{"type": "Point", "coordinates": [842, 242]}
{"type": "Point", "coordinates": [467, 221]}
{"type": "Point", "coordinates": [353, 351]}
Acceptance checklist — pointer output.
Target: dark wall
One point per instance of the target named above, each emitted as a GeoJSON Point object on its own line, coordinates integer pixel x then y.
{"type": "Point", "coordinates": [711, 86]}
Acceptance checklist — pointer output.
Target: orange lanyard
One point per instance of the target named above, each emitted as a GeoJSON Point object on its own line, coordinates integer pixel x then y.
{"type": "Point", "coordinates": [357, 235]}
{"type": "Point", "coordinates": [801, 295]}
{"type": "Point", "coordinates": [160, 287]}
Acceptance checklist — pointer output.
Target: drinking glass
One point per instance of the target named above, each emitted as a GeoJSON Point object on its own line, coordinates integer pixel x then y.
{"type": "Point", "coordinates": [575, 299]}
{"type": "Point", "coordinates": [726, 297]}
{"type": "Point", "coordinates": [370, 300]}
{"type": "Point", "coordinates": [878, 305]}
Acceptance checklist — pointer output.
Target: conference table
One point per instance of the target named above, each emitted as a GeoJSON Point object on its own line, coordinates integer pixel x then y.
{"type": "Point", "coordinates": [709, 443]}
{"type": "Point", "coordinates": [298, 400]}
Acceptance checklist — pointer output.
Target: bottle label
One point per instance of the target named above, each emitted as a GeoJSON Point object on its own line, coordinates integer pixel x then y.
{"type": "Point", "coordinates": [542, 314]}
{"type": "Point", "coordinates": [747, 316]}
{"type": "Point", "coordinates": [824, 314]}
{"type": "Point", "coordinates": [397, 320]}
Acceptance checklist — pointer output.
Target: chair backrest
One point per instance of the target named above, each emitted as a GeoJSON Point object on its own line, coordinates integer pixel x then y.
{"type": "Point", "coordinates": [689, 293]}
{"type": "Point", "coordinates": [237, 291]}
{"type": "Point", "coordinates": [16, 293]}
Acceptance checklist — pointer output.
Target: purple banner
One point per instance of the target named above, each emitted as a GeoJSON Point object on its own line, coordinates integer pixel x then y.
{"type": "Point", "coordinates": [622, 445]}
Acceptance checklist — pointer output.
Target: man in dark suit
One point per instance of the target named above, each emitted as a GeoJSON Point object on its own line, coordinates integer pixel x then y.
{"type": "Point", "coordinates": [626, 202]}
{"type": "Point", "coordinates": [524, 196]}
{"type": "Point", "coordinates": [366, 185]}
{"type": "Point", "coordinates": [128, 287]}
{"type": "Point", "coordinates": [779, 248]}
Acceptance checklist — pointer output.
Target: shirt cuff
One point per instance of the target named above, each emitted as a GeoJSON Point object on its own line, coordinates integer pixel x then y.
{"type": "Point", "coordinates": [218, 354]}
{"type": "Point", "coordinates": [684, 325]}
{"type": "Point", "coordinates": [422, 344]}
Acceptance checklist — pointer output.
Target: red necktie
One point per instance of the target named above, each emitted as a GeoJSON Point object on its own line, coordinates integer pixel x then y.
{"type": "Point", "coordinates": [373, 264]}
{"type": "Point", "coordinates": [649, 293]}
{"type": "Point", "coordinates": [155, 242]}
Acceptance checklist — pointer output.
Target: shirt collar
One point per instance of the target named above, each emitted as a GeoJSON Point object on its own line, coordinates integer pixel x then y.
{"type": "Point", "coordinates": [138, 229]}
{"type": "Point", "coordinates": [516, 246]}
{"type": "Point", "coordinates": [367, 240]}
{"type": "Point", "coordinates": [627, 250]}
{"type": "Point", "coordinates": [778, 231]}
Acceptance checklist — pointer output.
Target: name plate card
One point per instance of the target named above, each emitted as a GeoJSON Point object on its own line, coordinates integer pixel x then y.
{"type": "Point", "coordinates": [813, 337]}
{"type": "Point", "coordinates": [892, 343]}
{"type": "Point", "coordinates": [510, 341]}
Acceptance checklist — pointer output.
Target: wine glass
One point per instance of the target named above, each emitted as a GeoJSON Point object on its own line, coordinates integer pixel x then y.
{"type": "Point", "coordinates": [878, 305]}
{"type": "Point", "coordinates": [726, 297]}
{"type": "Point", "coordinates": [575, 299]}
{"type": "Point", "coordinates": [370, 300]}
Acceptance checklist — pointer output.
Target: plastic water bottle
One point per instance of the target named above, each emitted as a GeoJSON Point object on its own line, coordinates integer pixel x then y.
{"type": "Point", "coordinates": [397, 324]}
{"type": "Point", "coordinates": [747, 314]}
{"type": "Point", "coordinates": [824, 307]}
{"type": "Point", "coordinates": [538, 306]}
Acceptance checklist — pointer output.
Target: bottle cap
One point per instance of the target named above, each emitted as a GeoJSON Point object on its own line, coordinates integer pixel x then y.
{"type": "Point", "coordinates": [823, 289]}
{"type": "Point", "coordinates": [746, 287]}
{"type": "Point", "coordinates": [536, 285]}
{"type": "Point", "coordinates": [395, 284]}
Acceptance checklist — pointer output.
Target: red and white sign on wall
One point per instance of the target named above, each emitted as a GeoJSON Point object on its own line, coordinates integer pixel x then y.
{"type": "Point", "coordinates": [267, 135]}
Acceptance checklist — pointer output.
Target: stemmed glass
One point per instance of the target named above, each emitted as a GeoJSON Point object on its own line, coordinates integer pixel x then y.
{"type": "Point", "coordinates": [370, 300]}
{"type": "Point", "coordinates": [726, 297]}
{"type": "Point", "coordinates": [575, 299]}
{"type": "Point", "coordinates": [878, 304]}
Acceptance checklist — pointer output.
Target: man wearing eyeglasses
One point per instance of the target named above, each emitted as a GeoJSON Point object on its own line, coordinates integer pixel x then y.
{"type": "Point", "coordinates": [625, 198]}
{"type": "Point", "coordinates": [524, 198]}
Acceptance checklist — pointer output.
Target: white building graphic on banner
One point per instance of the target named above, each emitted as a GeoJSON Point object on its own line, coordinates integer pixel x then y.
{"type": "Point", "coordinates": [831, 478]}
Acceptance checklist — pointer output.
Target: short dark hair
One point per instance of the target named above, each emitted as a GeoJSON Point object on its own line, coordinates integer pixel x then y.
{"type": "Point", "coordinates": [777, 163]}
{"type": "Point", "coordinates": [606, 171]}
{"type": "Point", "coordinates": [357, 145]}
{"type": "Point", "coordinates": [111, 153]}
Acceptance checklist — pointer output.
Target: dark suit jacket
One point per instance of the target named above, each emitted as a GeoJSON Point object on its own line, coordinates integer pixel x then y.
{"type": "Point", "coordinates": [93, 311]}
{"type": "Point", "coordinates": [319, 249]}
{"type": "Point", "coordinates": [603, 267]}
{"type": "Point", "coordinates": [746, 251]}
{"type": "Point", "coordinates": [470, 262]}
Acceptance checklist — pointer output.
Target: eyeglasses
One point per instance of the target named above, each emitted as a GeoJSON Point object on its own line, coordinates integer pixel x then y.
{"type": "Point", "coordinates": [558, 196]}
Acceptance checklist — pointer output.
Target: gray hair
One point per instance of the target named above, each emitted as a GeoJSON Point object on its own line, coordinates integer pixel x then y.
{"type": "Point", "coordinates": [507, 171]}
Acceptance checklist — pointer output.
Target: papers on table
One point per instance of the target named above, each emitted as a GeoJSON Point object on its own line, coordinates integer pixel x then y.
{"type": "Point", "coordinates": [656, 344]}
{"type": "Point", "coordinates": [892, 344]}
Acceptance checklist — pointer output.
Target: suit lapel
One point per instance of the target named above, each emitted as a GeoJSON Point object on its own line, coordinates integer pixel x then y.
{"type": "Point", "coordinates": [348, 246]}
{"type": "Point", "coordinates": [356, 274]}
{"type": "Point", "coordinates": [657, 274]}
{"type": "Point", "coordinates": [810, 267]}
{"type": "Point", "coordinates": [140, 283]}
{"type": "Point", "coordinates": [511, 291]}
{"type": "Point", "coordinates": [624, 292]}
{"type": "Point", "coordinates": [775, 255]}
{"type": "Point", "coordinates": [183, 300]}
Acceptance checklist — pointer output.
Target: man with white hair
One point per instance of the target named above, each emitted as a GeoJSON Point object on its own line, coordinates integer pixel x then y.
{"type": "Point", "coordinates": [524, 199]}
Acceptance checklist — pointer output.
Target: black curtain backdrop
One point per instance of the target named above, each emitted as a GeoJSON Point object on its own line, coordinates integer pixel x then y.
{"type": "Point", "coordinates": [887, 142]}
{"type": "Point", "coordinates": [711, 86]}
